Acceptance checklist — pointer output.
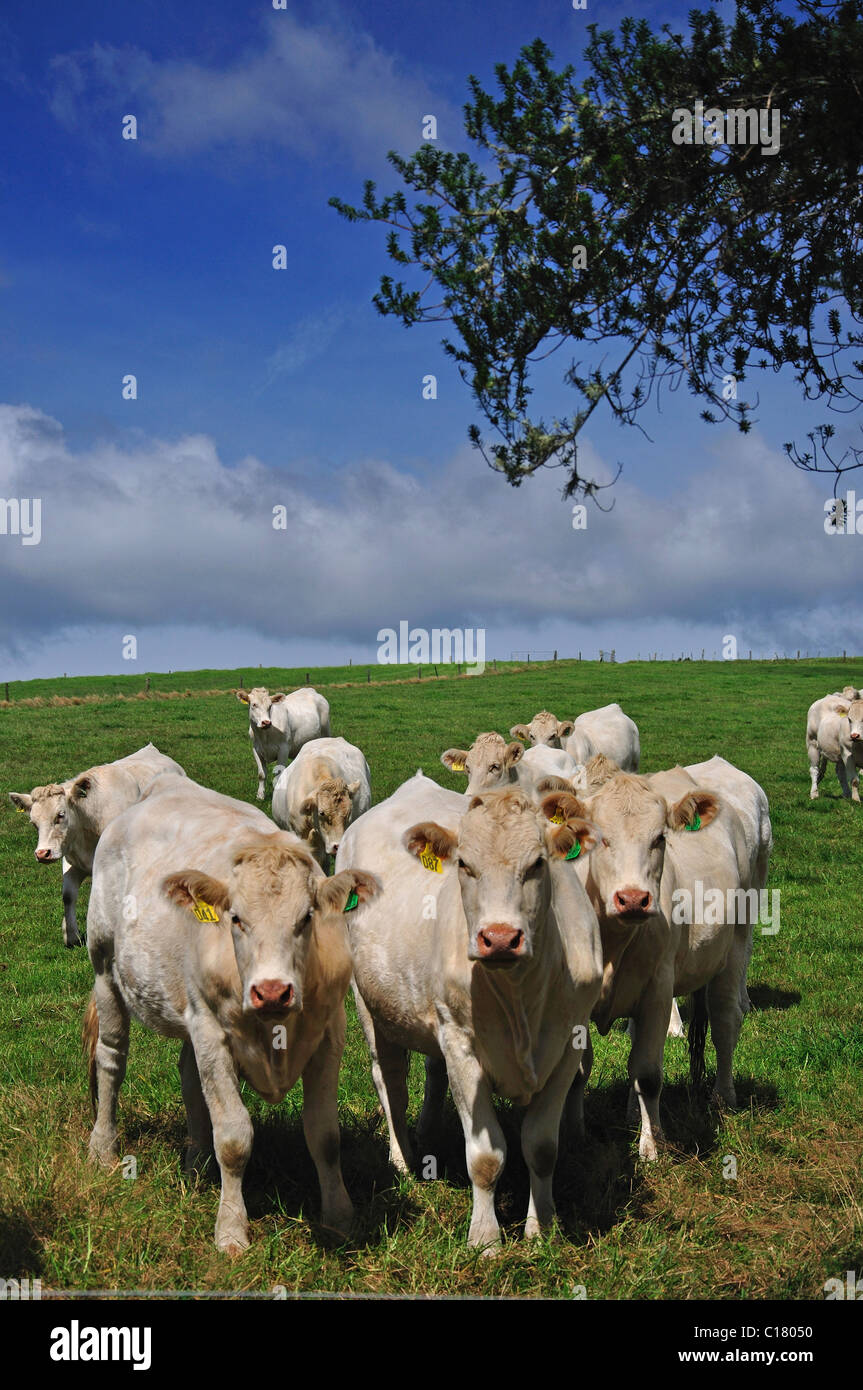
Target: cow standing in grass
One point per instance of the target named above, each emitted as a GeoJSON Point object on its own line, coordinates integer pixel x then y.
{"type": "Point", "coordinates": [482, 952]}
{"type": "Point", "coordinates": [326, 787]}
{"type": "Point", "coordinates": [70, 816]}
{"type": "Point", "coordinates": [280, 724]}
{"type": "Point", "coordinates": [210, 925]}
{"type": "Point", "coordinates": [651, 849]}
{"type": "Point", "coordinates": [835, 735]}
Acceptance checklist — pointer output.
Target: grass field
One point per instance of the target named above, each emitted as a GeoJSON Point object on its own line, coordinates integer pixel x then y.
{"type": "Point", "coordinates": [678, 1229]}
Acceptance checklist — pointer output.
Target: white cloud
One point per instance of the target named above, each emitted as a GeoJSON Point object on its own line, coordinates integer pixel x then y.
{"type": "Point", "coordinates": [323, 91]}
{"type": "Point", "coordinates": [158, 535]}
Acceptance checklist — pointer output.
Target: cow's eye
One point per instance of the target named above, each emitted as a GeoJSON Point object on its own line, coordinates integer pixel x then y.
{"type": "Point", "coordinates": [659, 841]}
{"type": "Point", "coordinates": [466, 868]}
{"type": "Point", "coordinates": [495, 767]}
{"type": "Point", "coordinates": [535, 868]}
{"type": "Point", "coordinates": [235, 920]}
{"type": "Point", "coordinates": [306, 921]}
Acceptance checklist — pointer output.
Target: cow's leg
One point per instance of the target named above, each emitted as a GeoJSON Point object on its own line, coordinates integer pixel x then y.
{"type": "Point", "coordinates": [539, 1140]}
{"type": "Point", "coordinates": [232, 1127]}
{"type": "Point", "coordinates": [816, 769]}
{"type": "Point", "coordinates": [726, 1016]}
{"type": "Point", "coordinates": [199, 1124]}
{"type": "Point", "coordinates": [573, 1113]}
{"type": "Point", "coordinates": [843, 778]}
{"type": "Point", "coordinates": [321, 1125]}
{"type": "Point", "coordinates": [262, 773]}
{"type": "Point", "coordinates": [112, 1050]}
{"type": "Point", "coordinates": [485, 1146]}
{"type": "Point", "coordinates": [675, 1023]}
{"type": "Point", "coordinates": [852, 773]}
{"type": "Point", "coordinates": [73, 877]}
{"type": "Point", "coordinates": [645, 1063]}
{"type": "Point", "coordinates": [431, 1117]}
{"type": "Point", "coordinates": [389, 1073]}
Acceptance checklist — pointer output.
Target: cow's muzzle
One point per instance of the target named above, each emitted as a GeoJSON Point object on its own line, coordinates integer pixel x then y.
{"type": "Point", "coordinates": [46, 856]}
{"type": "Point", "coordinates": [271, 996]}
{"type": "Point", "coordinates": [499, 943]}
{"type": "Point", "coordinates": [632, 904]}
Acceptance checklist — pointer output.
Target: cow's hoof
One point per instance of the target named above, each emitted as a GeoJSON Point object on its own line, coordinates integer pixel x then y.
{"type": "Point", "coordinates": [233, 1241]}
{"type": "Point", "coordinates": [724, 1100]}
{"type": "Point", "coordinates": [105, 1154]}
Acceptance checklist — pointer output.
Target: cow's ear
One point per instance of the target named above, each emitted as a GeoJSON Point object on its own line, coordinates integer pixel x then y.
{"type": "Point", "coordinates": [242, 697]}
{"type": "Point", "coordinates": [80, 787]}
{"type": "Point", "coordinates": [693, 811]}
{"type": "Point", "coordinates": [520, 731]}
{"type": "Point", "coordinates": [561, 806]}
{"type": "Point", "coordinates": [455, 759]}
{"type": "Point", "coordinates": [197, 893]}
{"type": "Point", "coordinates": [514, 754]}
{"type": "Point", "coordinates": [573, 840]}
{"type": "Point", "coordinates": [565, 727]}
{"type": "Point", "coordinates": [308, 807]}
{"type": "Point", "coordinates": [21, 800]}
{"type": "Point", "coordinates": [353, 788]}
{"type": "Point", "coordinates": [429, 836]}
{"type": "Point", "coordinates": [346, 890]}
{"type": "Point", "coordinates": [276, 699]}
{"type": "Point", "coordinates": [842, 709]}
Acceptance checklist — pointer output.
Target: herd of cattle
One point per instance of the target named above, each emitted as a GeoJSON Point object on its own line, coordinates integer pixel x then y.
{"type": "Point", "coordinates": [484, 929]}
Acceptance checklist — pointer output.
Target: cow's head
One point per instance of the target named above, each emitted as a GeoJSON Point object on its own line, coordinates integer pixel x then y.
{"type": "Point", "coordinates": [49, 812]}
{"type": "Point", "coordinates": [850, 692]}
{"type": "Point", "coordinates": [329, 811]}
{"type": "Point", "coordinates": [854, 712]}
{"type": "Point", "coordinates": [626, 870]}
{"type": "Point", "coordinates": [260, 703]}
{"type": "Point", "coordinates": [544, 728]}
{"type": "Point", "coordinates": [489, 763]}
{"type": "Point", "coordinates": [501, 854]}
{"type": "Point", "coordinates": [271, 900]}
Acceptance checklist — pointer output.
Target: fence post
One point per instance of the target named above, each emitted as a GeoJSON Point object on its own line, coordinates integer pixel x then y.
{"type": "Point", "coordinates": [7, 692]}
{"type": "Point", "coordinates": [419, 673]}
{"type": "Point", "coordinates": [612, 653]}
{"type": "Point", "coordinates": [368, 675]}
{"type": "Point", "coordinates": [555, 656]}
{"type": "Point", "coordinates": [148, 683]}
{"type": "Point", "coordinates": [307, 678]}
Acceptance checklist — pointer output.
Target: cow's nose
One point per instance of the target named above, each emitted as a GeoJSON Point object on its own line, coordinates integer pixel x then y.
{"type": "Point", "coordinates": [632, 900]}
{"type": "Point", "coordinates": [266, 723]}
{"type": "Point", "coordinates": [44, 856]}
{"type": "Point", "coordinates": [334, 849]}
{"type": "Point", "coordinates": [855, 735]}
{"type": "Point", "coordinates": [271, 994]}
{"type": "Point", "coordinates": [499, 940]}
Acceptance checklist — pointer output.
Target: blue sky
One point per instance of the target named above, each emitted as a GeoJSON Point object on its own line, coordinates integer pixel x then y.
{"type": "Point", "coordinates": [258, 388]}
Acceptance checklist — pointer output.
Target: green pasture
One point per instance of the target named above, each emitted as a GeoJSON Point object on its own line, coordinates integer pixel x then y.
{"type": "Point", "coordinates": [681, 1228]}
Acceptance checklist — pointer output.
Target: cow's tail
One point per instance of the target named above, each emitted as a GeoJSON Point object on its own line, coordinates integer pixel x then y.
{"type": "Point", "coordinates": [697, 1036]}
{"type": "Point", "coordinates": [89, 1039]}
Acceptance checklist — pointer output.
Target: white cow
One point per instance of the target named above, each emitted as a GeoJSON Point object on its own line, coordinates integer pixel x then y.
{"type": "Point", "coordinates": [839, 740]}
{"type": "Point", "coordinates": [662, 935]}
{"type": "Point", "coordinates": [326, 787]}
{"type": "Point", "coordinates": [279, 725]}
{"type": "Point", "coordinates": [482, 952]}
{"type": "Point", "coordinates": [209, 924]}
{"type": "Point", "coordinates": [70, 816]}
{"type": "Point", "coordinates": [491, 764]}
{"type": "Point", "coordinates": [544, 729]}
{"type": "Point", "coordinates": [607, 730]}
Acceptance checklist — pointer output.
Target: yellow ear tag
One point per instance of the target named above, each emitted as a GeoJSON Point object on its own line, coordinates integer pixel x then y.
{"type": "Point", "coordinates": [430, 860]}
{"type": "Point", "coordinates": [457, 767]}
{"type": "Point", "coordinates": [22, 809]}
{"type": "Point", "coordinates": [558, 818]}
{"type": "Point", "coordinates": [205, 912]}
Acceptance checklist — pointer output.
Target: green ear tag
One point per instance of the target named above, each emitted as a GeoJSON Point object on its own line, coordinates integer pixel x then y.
{"type": "Point", "coordinates": [696, 824]}
{"type": "Point", "coordinates": [351, 903]}
{"type": "Point", "coordinates": [575, 851]}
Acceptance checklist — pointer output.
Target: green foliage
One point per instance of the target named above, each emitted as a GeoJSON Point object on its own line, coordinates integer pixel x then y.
{"type": "Point", "coordinates": [702, 260]}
